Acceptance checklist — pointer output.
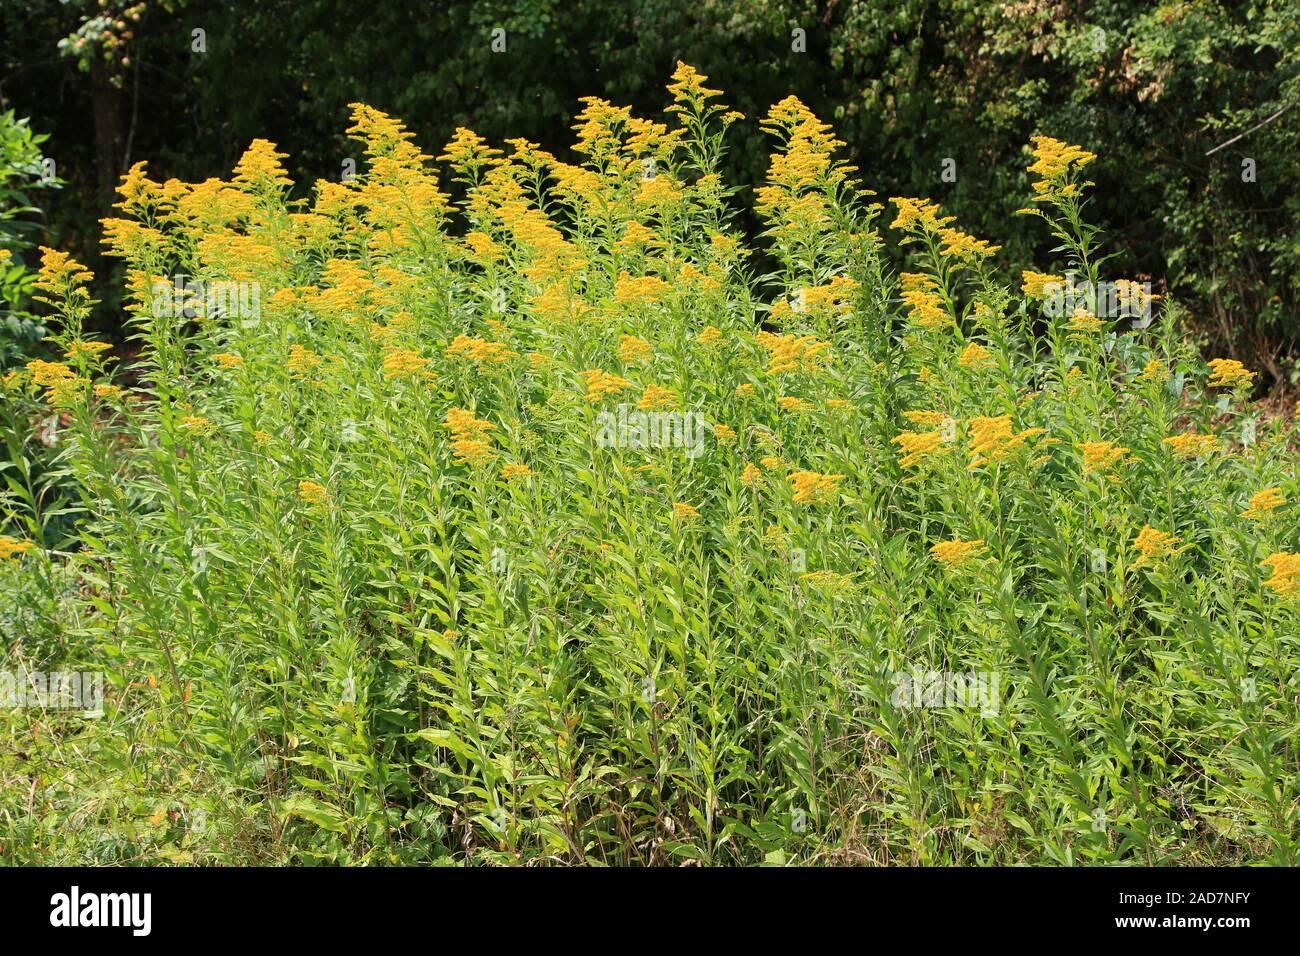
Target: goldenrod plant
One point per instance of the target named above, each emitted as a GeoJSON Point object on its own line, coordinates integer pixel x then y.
{"type": "Point", "coordinates": [398, 546]}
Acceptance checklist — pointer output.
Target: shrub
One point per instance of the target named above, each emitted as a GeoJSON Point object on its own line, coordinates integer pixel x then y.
{"type": "Point", "coordinates": [532, 526]}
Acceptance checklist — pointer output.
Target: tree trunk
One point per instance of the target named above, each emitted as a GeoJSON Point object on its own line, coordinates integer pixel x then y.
{"type": "Point", "coordinates": [105, 99]}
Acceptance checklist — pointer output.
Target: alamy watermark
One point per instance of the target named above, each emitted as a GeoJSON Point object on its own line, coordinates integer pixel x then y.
{"type": "Point", "coordinates": [630, 428]}
{"type": "Point", "coordinates": [187, 298]}
{"type": "Point", "coordinates": [978, 690]}
{"type": "Point", "coordinates": [55, 690]}
{"type": "Point", "coordinates": [1104, 299]}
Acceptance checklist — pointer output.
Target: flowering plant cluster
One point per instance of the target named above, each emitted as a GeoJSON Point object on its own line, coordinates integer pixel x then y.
{"type": "Point", "coordinates": [368, 586]}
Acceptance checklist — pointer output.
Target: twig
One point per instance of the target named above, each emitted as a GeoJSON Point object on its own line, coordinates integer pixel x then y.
{"type": "Point", "coordinates": [1251, 130]}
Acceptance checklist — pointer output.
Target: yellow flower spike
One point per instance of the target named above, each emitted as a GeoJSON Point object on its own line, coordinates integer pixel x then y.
{"type": "Point", "coordinates": [1264, 503]}
{"type": "Point", "coordinates": [975, 356]}
{"type": "Point", "coordinates": [1101, 455]}
{"type": "Point", "coordinates": [790, 353]}
{"type": "Point", "coordinates": [1036, 284]}
{"type": "Point", "coordinates": [917, 448]}
{"type": "Point", "coordinates": [685, 513]}
{"type": "Point", "coordinates": [633, 349]}
{"type": "Point", "coordinates": [515, 471]}
{"type": "Point", "coordinates": [60, 272]}
{"type": "Point", "coordinates": [1229, 373]}
{"type": "Point", "coordinates": [601, 384]}
{"type": "Point", "coordinates": [813, 487]}
{"type": "Point", "coordinates": [1285, 579]}
{"type": "Point", "coordinates": [302, 360]}
{"type": "Point", "coordinates": [480, 350]}
{"type": "Point", "coordinates": [471, 451]}
{"type": "Point", "coordinates": [710, 337]}
{"type": "Point", "coordinates": [993, 440]}
{"type": "Point", "coordinates": [11, 549]}
{"type": "Point", "coordinates": [919, 214]}
{"type": "Point", "coordinates": [639, 290]}
{"type": "Point", "coordinates": [1056, 161]}
{"type": "Point", "coordinates": [463, 424]}
{"type": "Point", "coordinates": [313, 492]}
{"type": "Point", "coordinates": [197, 424]}
{"type": "Point", "coordinates": [260, 168]}
{"type": "Point", "coordinates": [1084, 322]}
{"type": "Point", "coordinates": [1192, 444]}
{"type": "Point", "coordinates": [1154, 546]}
{"type": "Point", "coordinates": [656, 399]}
{"type": "Point", "coordinates": [89, 349]}
{"type": "Point", "coordinates": [957, 552]}
{"type": "Point", "coordinates": [403, 363]}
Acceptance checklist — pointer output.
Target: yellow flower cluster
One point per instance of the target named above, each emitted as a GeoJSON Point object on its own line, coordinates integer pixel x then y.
{"type": "Point", "coordinates": [1085, 322]}
{"type": "Point", "coordinates": [975, 356]}
{"type": "Point", "coordinates": [1229, 373]}
{"type": "Point", "coordinates": [313, 492]}
{"type": "Point", "coordinates": [59, 272]}
{"type": "Point", "coordinates": [790, 353]}
{"type": "Point", "coordinates": [1055, 161]}
{"type": "Point", "coordinates": [1285, 579]}
{"type": "Point", "coordinates": [629, 290]}
{"type": "Point", "coordinates": [959, 245]}
{"type": "Point", "coordinates": [58, 378]}
{"type": "Point", "coordinates": [1264, 503]}
{"type": "Point", "coordinates": [11, 549]}
{"type": "Point", "coordinates": [633, 349]}
{"type": "Point", "coordinates": [931, 421]}
{"type": "Point", "coordinates": [86, 349]}
{"type": "Point", "coordinates": [812, 486]}
{"type": "Point", "coordinates": [259, 168]}
{"type": "Point", "coordinates": [917, 448]}
{"type": "Point", "coordinates": [709, 337]}
{"type": "Point", "coordinates": [834, 295]}
{"type": "Point", "coordinates": [480, 350]}
{"type": "Point", "coordinates": [993, 440]}
{"type": "Point", "coordinates": [1133, 296]}
{"type": "Point", "coordinates": [685, 513]}
{"type": "Point", "coordinates": [656, 398]}
{"type": "Point", "coordinates": [470, 442]}
{"type": "Point", "coordinates": [403, 363]}
{"type": "Point", "coordinates": [925, 308]}
{"type": "Point", "coordinates": [956, 553]}
{"type": "Point", "coordinates": [1035, 284]}
{"type": "Point", "coordinates": [1192, 444]}
{"type": "Point", "coordinates": [302, 360]}
{"type": "Point", "coordinates": [1154, 546]}
{"type": "Point", "coordinates": [1101, 456]}
{"type": "Point", "coordinates": [918, 215]}
{"type": "Point", "coordinates": [601, 384]}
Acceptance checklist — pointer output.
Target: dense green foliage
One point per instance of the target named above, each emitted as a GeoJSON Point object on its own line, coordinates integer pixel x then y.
{"type": "Point", "coordinates": [22, 167]}
{"type": "Point", "coordinates": [373, 579]}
